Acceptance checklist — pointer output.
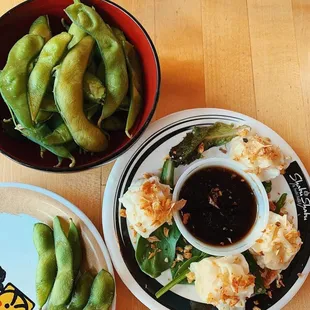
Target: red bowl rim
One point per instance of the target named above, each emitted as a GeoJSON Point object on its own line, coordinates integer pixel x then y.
{"type": "Point", "coordinates": [134, 139]}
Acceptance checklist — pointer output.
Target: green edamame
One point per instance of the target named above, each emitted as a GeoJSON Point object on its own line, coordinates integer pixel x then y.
{"type": "Point", "coordinates": [63, 284]}
{"type": "Point", "coordinates": [38, 134]}
{"type": "Point", "coordinates": [43, 116]}
{"type": "Point", "coordinates": [40, 76]}
{"type": "Point", "coordinates": [77, 35]}
{"type": "Point", "coordinates": [41, 27]}
{"type": "Point", "coordinates": [116, 78]}
{"type": "Point", "coordinates": [82, 292]}
{"type": "Point", "coordinates": [75, 243]}
{"type": "Point", "coordinates": [68, 94]}
{"type": "Point", "coordinates": [14, 77]}
{"type": "Point", "coordinates": [60, 135]}
{"type": "Point", "coordinates": [93, 88]}
{"type": "Point", "coordinates": [91, 111]}
{"type": "Point", "coordinates": [101, 72]}
{"type": "Point", "coordinates": [48, 104]}
{"type": "Point", "coordinates": [125, 104]}
{"type": "Point", "coordinates": [114, 122]}
{"type": "Point", "coordinates": [102, 292]}
{"type": "Point", "coordinates": [47, 268]}
{"type": "Point", "coordinates": [135, 81]}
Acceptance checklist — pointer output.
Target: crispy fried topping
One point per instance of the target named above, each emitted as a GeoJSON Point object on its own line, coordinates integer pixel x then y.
{"type": "Point", "coordinates": [122, 213]}
{"type": "Point", "coordinates": [186, 217]}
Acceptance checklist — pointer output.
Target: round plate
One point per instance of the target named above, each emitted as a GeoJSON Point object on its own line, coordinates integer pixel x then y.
{"type": "Point", "coordinates": [148, 156]}
{"type": "Point", "coordinates": [21, 207]}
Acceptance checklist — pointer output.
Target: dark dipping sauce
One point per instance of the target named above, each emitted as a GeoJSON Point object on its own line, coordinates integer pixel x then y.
{"type": "Point", "coordinates": [221, 206]}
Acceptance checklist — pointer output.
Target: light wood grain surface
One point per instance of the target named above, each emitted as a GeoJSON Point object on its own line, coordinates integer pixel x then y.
{"type": "Point", "coordinates": [250, 56]}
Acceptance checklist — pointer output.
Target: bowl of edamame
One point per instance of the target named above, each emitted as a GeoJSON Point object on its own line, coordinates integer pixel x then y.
{"type": "Point", "coordinates": [79, 82]}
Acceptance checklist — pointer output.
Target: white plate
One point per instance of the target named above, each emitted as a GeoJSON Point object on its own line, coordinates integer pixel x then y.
{"type": "Point", "coordinates": [148, 156]}
{"type": "Point", "coordinates": [21, 206]}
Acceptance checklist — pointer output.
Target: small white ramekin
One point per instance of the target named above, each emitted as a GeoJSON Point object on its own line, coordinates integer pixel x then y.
{"type": "Point", "coordinates": [262, 207]}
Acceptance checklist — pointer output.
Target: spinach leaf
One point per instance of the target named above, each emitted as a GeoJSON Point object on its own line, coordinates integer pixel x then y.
{"type": "Point", "coordinates": [255, 270]}
{"type": "Point", "coordinates": [201, 139]}
{"type": "Point", "coordinates": [280, 203]}
{"type": "Point", "coordinates": [167, 173]}
{"type": "Point", "coordinates": [268, 186]}
{"type": "Point", "coordinates": [182, 242]}
{"type": "Point", "coordinates": [164, 250]}
{"type": "Point", "coordinates": [180, 276]}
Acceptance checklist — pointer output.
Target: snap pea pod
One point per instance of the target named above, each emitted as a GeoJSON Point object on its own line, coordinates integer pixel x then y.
{"type": "Point", "coordinates": [116, 78]}
{"type": "Point", "coordinates": [41, 27]}
{"type": "Point", "coordinates": [68, 94]}
{"type": "Point", "coordinates": [93, 88]}
{"type": "Point", "coordinates": [48, 104]}
{"type": "Point", "coordinates": [38, 134]}
{"type": "Point", "coordinates": [75, 243]}
{"type": "Point", "coordinates": [47, 268]}
{"type": "Point", "coordinates": [82, 292]}
{"type": "Point", "coordinates": [77, 35]}
{"type": "Point", "coordinates": [14, 77]}
{"type": "Point", "coordinates": [59, 136]}
{"type": "Point", "coordinates": [63, 285]}
{"type": "Point", "coordinates": [135, 81]}
{"type": "Point", "coordinates": [40, 76]}
{"type": "Point", "coordinates": [102, 292]}
{"type": "Point", "coordinates": [114, 122]}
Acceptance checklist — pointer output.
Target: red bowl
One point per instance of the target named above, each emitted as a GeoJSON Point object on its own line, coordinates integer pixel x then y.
{"type": "Point", "coordinates": [16, 23]}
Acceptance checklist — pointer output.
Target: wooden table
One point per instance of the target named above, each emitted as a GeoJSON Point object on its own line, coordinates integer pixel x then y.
{"type": "Point", "coordinates": [250, 56]}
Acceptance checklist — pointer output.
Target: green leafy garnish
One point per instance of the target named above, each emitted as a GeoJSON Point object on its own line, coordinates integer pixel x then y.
{"type": "Point", "coordinates": [179, 266]}
{"type": "Point", "coordinates": [268, 186]}
{"type": "Point", "coordinates": [280, 203]}
{"type": "Point", "coordinates": [180, 276]}
{"type": "Point", "coordinates": [255, 270]}
{"type": "Point", "coordinates": [167, 173]}
{"type": "Point", "coordinates": [201, 139]}
{"type": "Point", "coordinates": [155, 257]}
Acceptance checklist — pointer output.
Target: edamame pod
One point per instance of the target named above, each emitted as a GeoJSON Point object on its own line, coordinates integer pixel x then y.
{"type": "Point", "coordinates": [63, 285]}
{"type": "Point", "coordinates": [40, 76]}
{"type": "Point", "coordinates": [91, 111]}
{"type": "Point", "coordinates": [38, 134]}
{"type": "Point", "coordinates": [43, 116]}
{"type": "Point", "coordinates": [125, 104]}
{"type": "Point", "coordinates": [48, 104]}
{"type": "Point", "coordinates": [68, 94]}
{"type": "Point", "coordinates": [41, 27]}
{"type": "Point", "coordinates": [47, 268]}
{"type": "Point", "coordinates": [93, 88]}
{"type": "Point", "coordinates": [82, 292]}
{"type": "Point", "coordinates": [14, 77]}
{"type": "Point", "coordinates": [114, 122]}
{"type": "Point", "coordinates": [135, 81]}
{"type": "Point", "coordinates": [102, 292]}
{"type": "Point", "coordinates": [75, 243]}
{"type": "Point", "coordinates": [60, 135]}
{"type": "Point", "coordinates": [116, 78]}
{"type": "Point", "coordinates": [77, 35]}
{"type": "Point", "coordinates": [101, 72]}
